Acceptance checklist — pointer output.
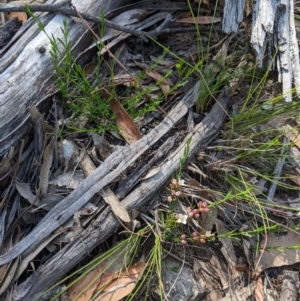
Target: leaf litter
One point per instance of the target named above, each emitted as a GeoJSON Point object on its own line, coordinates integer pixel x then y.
{"type": "Point", "coordinates": [66, 164]}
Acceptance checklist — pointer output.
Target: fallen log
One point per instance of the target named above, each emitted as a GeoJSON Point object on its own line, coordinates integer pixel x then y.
{"type": "Point", "coordinates": [106, 223]}
{"type": "Point", "coordinates": [25, 71]}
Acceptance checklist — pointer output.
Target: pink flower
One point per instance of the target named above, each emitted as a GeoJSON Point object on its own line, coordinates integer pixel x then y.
{"type": "Point", "coordinates": [195, 233]}
{"type": "Point", "coordinates": [204, 204]}
{"type": "Point", "coordinates": [204, 210]}
{"type": "Point", "coordinates": [188, 209]}
{"type": "Point", "coordinates": [195, 237]}
{"type": "Point", "coordinates": [183, 242]}
{"type": "Point", "coordinates": [174, 181]}
{"type": "Point", "coordinates": [183, 236]}
{"type": "Point", "coordinates": [196, 215]}
{"type": "Point", "coordinates": [178, 193]}
{"type": "Point", "coordinates": [195, 211]}
{"type": "Point", "coordinates": [170, 199]}
{"type": "Point", "coordinates": [191, 214]}
{"type": "Point", "coordinates": [173, 192]}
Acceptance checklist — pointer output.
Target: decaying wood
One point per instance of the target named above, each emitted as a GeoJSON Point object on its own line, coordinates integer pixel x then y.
{"type": "Point", "coordinates": [290, 286]}
{"type": "Point", "coordinates": [273, 29]}
{"type": "Point", "coordinates": [106, 223]}
{"type": "Point", "coordinates": [26, 71]}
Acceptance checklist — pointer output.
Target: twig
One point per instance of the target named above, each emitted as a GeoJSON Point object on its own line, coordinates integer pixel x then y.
{"type": "Point", "coordinates": [277, 170]}
{"type": "Point", "coordinates": [65, 8]}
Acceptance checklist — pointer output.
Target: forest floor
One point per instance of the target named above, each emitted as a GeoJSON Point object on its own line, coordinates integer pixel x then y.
{"type": "Point", "coordinates": [209, 209]}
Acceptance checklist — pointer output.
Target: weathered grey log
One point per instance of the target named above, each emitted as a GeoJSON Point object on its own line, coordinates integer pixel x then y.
{"type": "Point", "coordinates": [273, 29]}
{"type": "Point", "coordinates": [106, 223]}
{"type": "Point", "coordinates": [26, 72]}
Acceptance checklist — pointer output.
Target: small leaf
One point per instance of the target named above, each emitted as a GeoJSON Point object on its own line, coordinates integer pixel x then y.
{"type": "Point", "coordinates": [45, 169]}
{"type": "Point", "coordinates": [200, 20]}
{"type": "Point", "coordinates": [127, 127]}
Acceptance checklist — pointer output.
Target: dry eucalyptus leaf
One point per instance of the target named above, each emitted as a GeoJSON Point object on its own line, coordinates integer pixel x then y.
{"type": "Point", "coordinates": [35, 115]}
{"type": "Point", "coordinates": [9, 276]}
{"type": "Point", "coordinates": [87, 165]}
{"type": "Point", "coordinates": [163, 83]}
{"type": "Point", "coordinates": [208, 219]}
{"type": "Point", "coordinates": [200, 20]}
{"type": "Point", "coordinates": [151, 173]}
{"type": "Point", "coordinates": [25, 192]}
{"type": "Point", "coordinates": [108, 195]}
{"type": "Point", "coordinates": [259, 290]}
{"type": "Point", "coordinates": [45, 169]}
{"type": "Point", "coordinates": [123, 284]}
{"type": "Point", "coordinates": [22, 16]}
{"type": "Point", "coordinates": [116, 206]}
{"type": "Point", "coordinates": [279, 251]}
{"type": "Point", "coordinates": [127, 127]}
{"type": "Point", "coordinates": [292, 134]}
{"type": "Point", "coordinates": [131, 16]}
{"type": "Point", "coordinates": [227, 247]}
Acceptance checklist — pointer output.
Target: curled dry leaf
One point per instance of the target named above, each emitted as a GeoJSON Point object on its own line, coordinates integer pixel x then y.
{"type": "Point", "coordinates": [35, 115]}
{"type": "Point", "coordinates": [127, 127]}
{"type": "Point", "coordinates": [151, 173]}
{"type": "Point", "coordinates": [278, 251]}
{"type": "Point", "coordinates": [163, 83]}
{"type": "Point", "coordinates": [112, 285]}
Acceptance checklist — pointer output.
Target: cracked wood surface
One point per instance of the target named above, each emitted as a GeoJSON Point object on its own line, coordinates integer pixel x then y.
{"type": "Point", "coordinates": [25, 73]}
{"type": "Point", "coordinates": [106, 223]}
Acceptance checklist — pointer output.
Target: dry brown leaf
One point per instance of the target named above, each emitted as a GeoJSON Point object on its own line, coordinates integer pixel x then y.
{"type": "Point", "coordinates": [279, 251]}
{"type": "Point", "coordinates": [90, 67]}
{"type": "Point", "coordinates": [112, 284]}
{"type": "Point", "coordinates": [35, 115]}
{"type": "Point", "coordinates": [116, 206]}
{"type": "Point", "coordinates": [294, 178]}
{"type": "Point", "coordinates": [25, 192]}
{"type": "Point", "coordinates": [22, 16]}
{"type": "Point", "coordinates": [248, 7]}
{"type": "Point", "coordinates": [200, 20]}
{"type": "Point", "coordinates": [208, 220]}
{"type": "Point", "coordinates": [124, 284]}
{"type": "Point", "coordinates": [151, 173]}
{"type": "Point", "coordinates": [227, 247]}
{"type": "Point", "coordinates": [259, 290]}
{"type": "Point", "coordinates": [108, 195]}
{"type": "Point", "coordinates": [293, 135]}
{"type": "Point", "coordinates": [84, 289]}
{"type": "Point", "coordinates": [163, 83]}
{"type": "Point", "coordinates": [124, 122]}
{"type": "Point", "coordinates": [45, 169]}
